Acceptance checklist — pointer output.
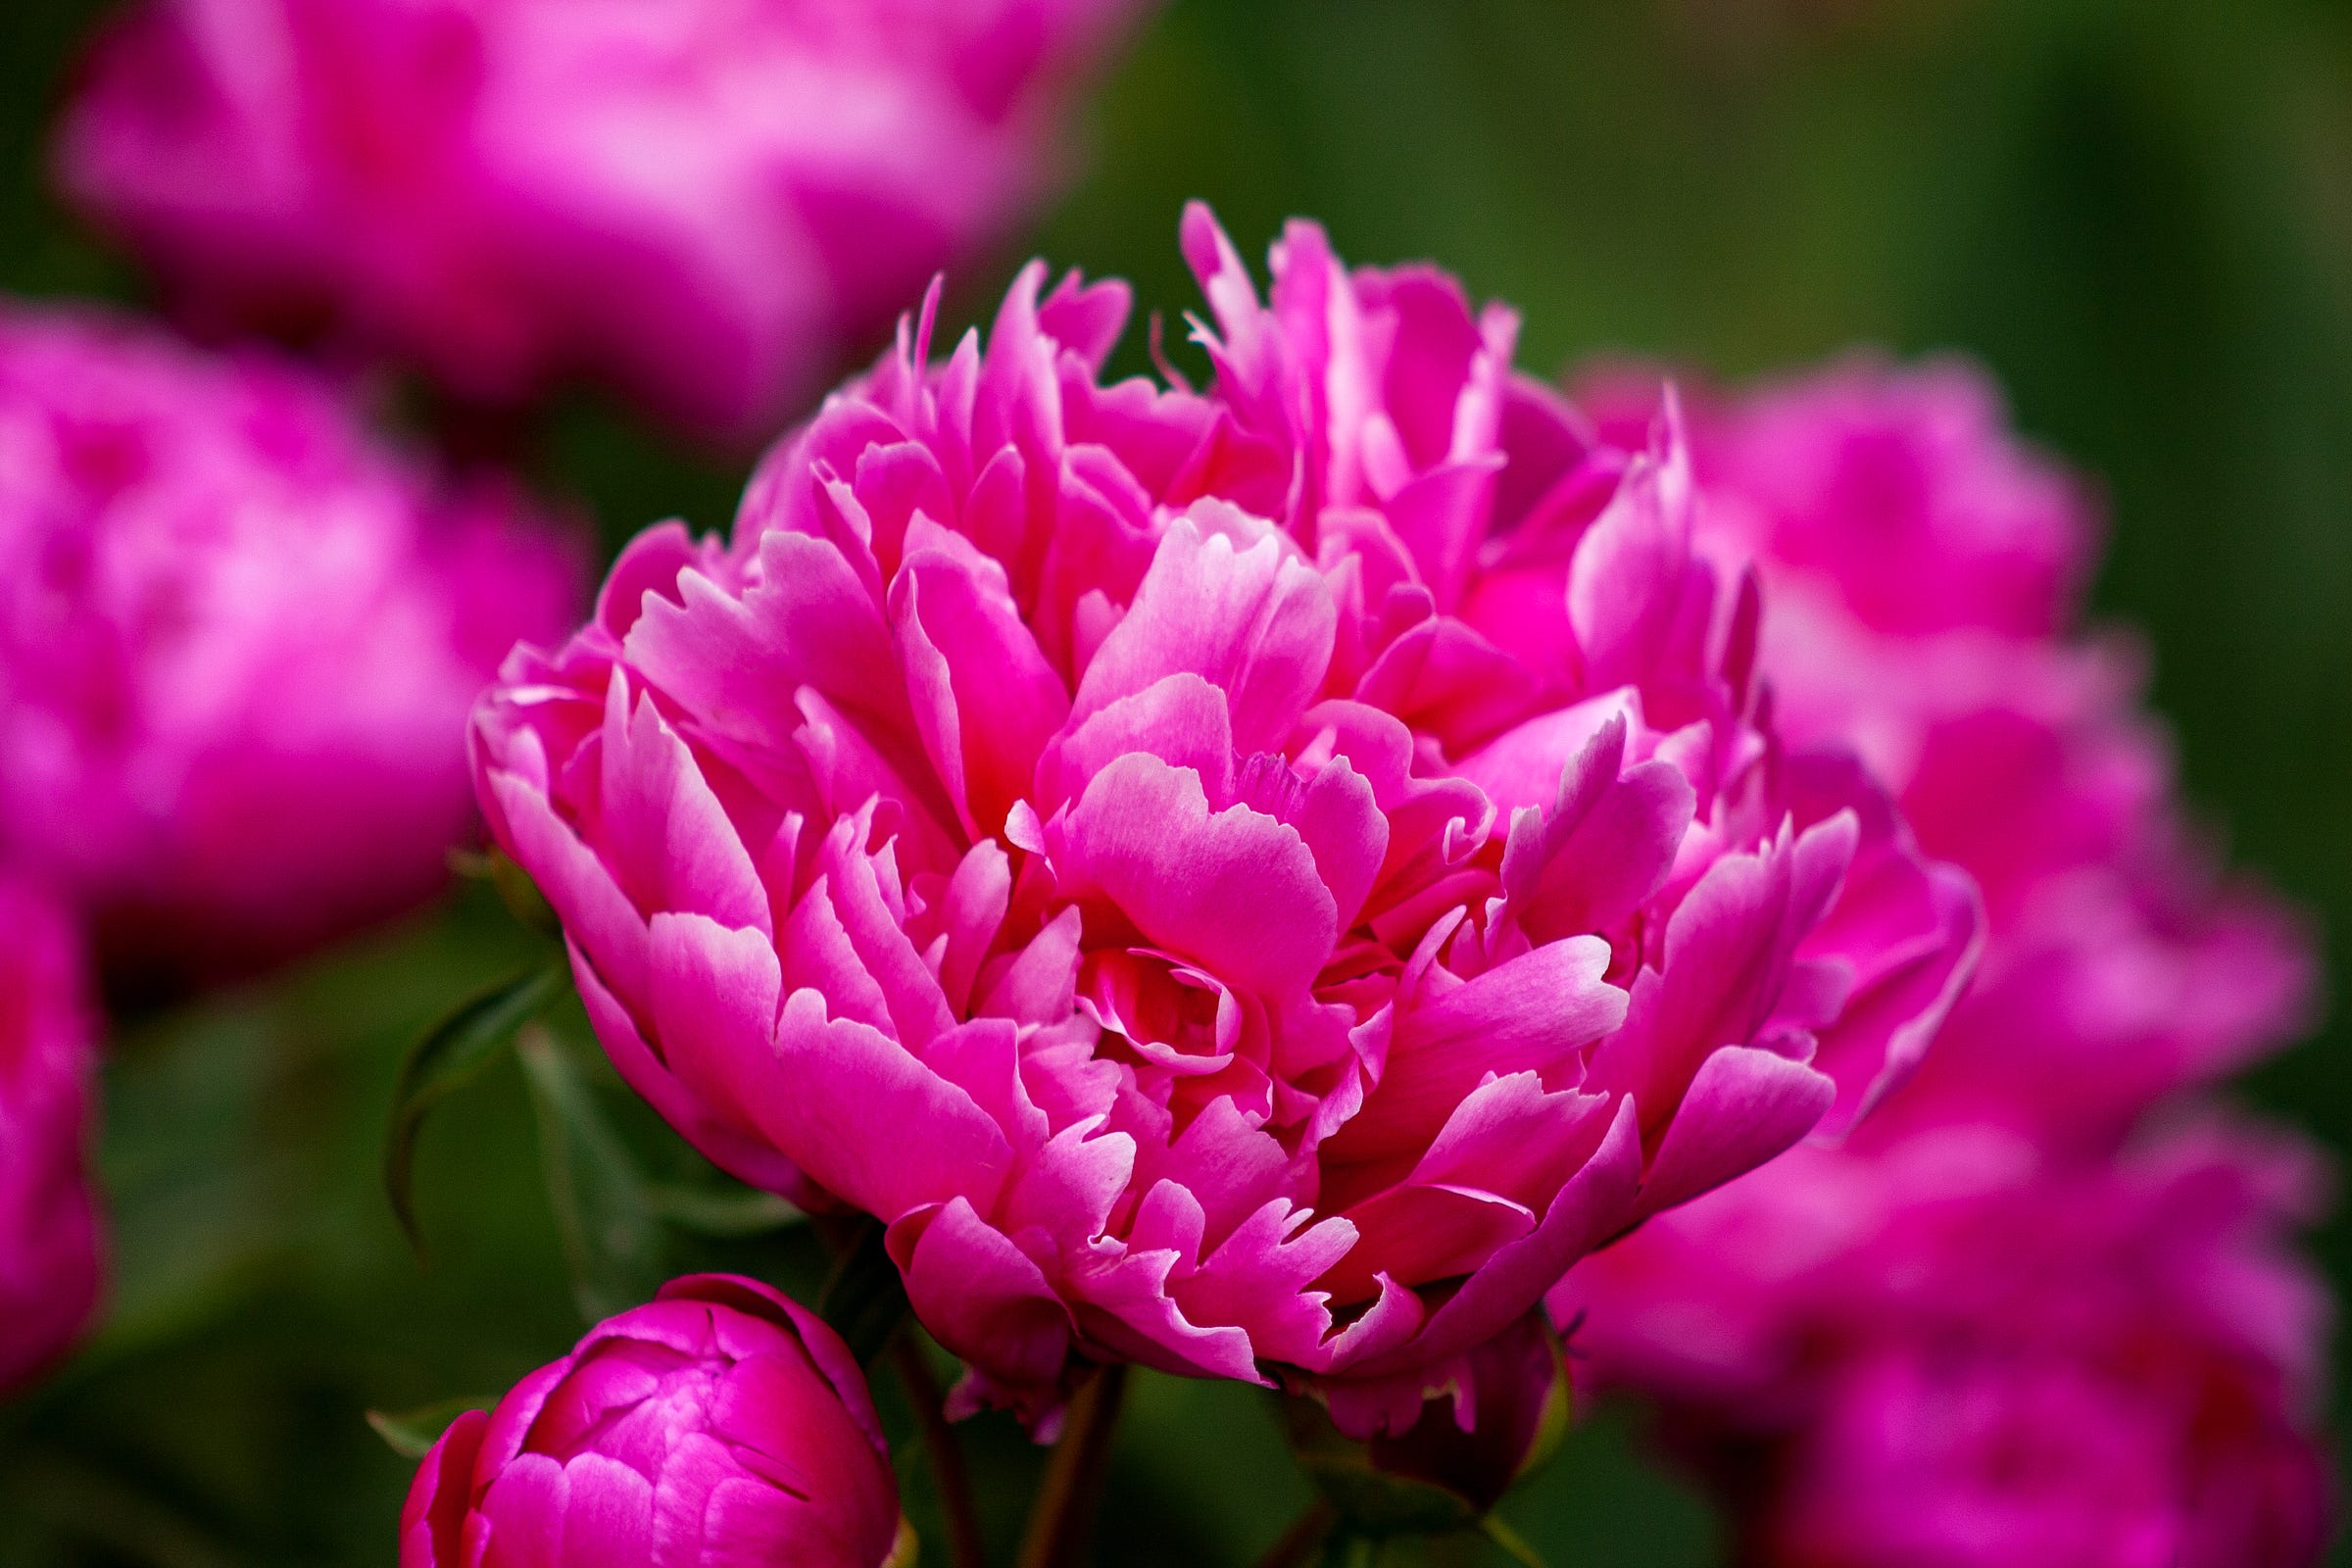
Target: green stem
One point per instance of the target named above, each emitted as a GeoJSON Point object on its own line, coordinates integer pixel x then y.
{"type": "Point", "coordinates": [1064, 1511]}
{"type": "Point", "coordinates": [965, 1545]}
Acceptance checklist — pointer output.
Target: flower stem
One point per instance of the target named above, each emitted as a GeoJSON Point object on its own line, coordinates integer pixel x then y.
{"type": "Point", "coordinates": [1064, 1511]}
{"type": "Point", "coordinates": [964, 1546]}
{"type": "Point", "coordinates": [1298, 1545]}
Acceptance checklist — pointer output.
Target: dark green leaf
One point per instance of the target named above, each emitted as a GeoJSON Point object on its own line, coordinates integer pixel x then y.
{"type": "Point", "coordinates": [512, 885]}
{"type": "Point", "coordinates": [605, 1215]}
{"type": "Point", "coordinates": [412, 1434]}
{"type": "Point", "coordinates": [451, 1056]}
{"type": "Point", "coordinates": [866, 1300]}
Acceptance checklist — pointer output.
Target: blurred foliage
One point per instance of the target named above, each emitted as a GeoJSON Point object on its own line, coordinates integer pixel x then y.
{"type": "Point", "coordinates": [2140, 216]}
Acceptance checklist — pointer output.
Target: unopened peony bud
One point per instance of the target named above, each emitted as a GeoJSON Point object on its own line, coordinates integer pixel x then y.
{"type": "Point", "coordinates": [719, 1423]}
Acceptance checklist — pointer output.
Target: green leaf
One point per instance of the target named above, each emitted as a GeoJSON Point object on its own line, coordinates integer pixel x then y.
{"type": "Point", "coordinates": [865, 1299]}
{"type": "Point", "coordinates": [512, 885]}
{"type": "Point", "coordinates": [451, 1056]}
{"type": "Point", "coordinates": [605, 1210]}
{"type": "Point", "coordinates": [1513, 1545]}
{"type": "Point", "coordinates": [722, 1212]}
{"type": "Point", "coordinates": [412, 1434]}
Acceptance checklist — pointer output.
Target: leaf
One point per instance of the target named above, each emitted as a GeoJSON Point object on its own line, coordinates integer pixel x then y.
{"type": "Point", "coordinates": [722, 1212]}
{"type": "Point", "coordinates": [1513, 1545]}
{"type": "Point", "coordinates": [412, 1434]}
{"type": "Point", "coordinates": [865, 1299]}
{"type": "Point", "coordinates": [605, 1212]}
{"type": "Point", "coordinates": [512, 885]}
{"type": "Point", "coordinates": [450, 1056]}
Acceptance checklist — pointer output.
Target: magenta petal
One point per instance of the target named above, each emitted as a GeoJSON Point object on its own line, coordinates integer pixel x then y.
{"type": "Point", "coordinates": [524, 1507]}
{"type": "Point", "coordinates": [665, 835]}
{"type": "Point", "coordinates": [1234, 889]}
{"type": "Point", "coordinates": [1744, 1106]}
{"type": "Point", "coordinates": [1532, 1012]}
{"type": "Point", "coordinates": [985, 698]}
{"type": "Point", "coordinates": [981, 1295]}
{"type": "Point", "coordinates": [846, 1078]}
{"type": "Point", "coordinates": [1598, 1201]}
{"type": "Point", "coordinates": [1254, 623]}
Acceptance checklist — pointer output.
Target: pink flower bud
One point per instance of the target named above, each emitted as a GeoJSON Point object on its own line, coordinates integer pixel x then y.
{"type": "Point", "coordinates": [718, 1424]}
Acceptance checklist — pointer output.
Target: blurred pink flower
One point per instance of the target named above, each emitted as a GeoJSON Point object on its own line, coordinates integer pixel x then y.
{"type": "Point", "coordinates": [49, 1264]}
{"type": "Point", "coordinates": [720, 1423]}
{"type": "Point", "coordinates": [1966, 1352]}
{"type": "Point", "coordinates": [1972, 1334]}
{"type": "Point", "coordinates": [1127, 840]}
{"type": "Point", "coordinates": [237, 644]}
{"type": "Point", "coordinates": [703, 201]}
{"type": "Point", "coordinates": [1922, 568]}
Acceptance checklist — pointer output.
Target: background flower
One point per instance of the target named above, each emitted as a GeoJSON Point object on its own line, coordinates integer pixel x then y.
{"type": "Point", "coordinates": [49, 1250]}
{"type": "Point", "coordinates": [237, 637]}
{"type": "Point", "coordinates": [1988, 1328]}
{"type": "Point", "coordinates": [705, 202]}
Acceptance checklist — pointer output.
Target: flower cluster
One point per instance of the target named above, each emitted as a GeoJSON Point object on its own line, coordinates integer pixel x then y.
{"type": "Point", "coordinates": [237, 644]}
{"type": "Point", "coordinates": [1253, 881]}
{"type": "Point", "coordinates": [2018, 1316]}
{"type": "Point", "coordinates": [718, 1423]}
{"type": "Point", "coordinates": [704, 201]}
{"type": "Point", "coordinates": [48, 1225]}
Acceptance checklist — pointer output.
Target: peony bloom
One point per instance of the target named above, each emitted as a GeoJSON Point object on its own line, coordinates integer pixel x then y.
{"type": "Point", "coordinates": [719, 1423]}
{"type": "Point", "coordinates": [49, 1263]}
{"type": "Point", "coordinates": [1252, 881]}
{"type": "Point", "coordinates": [237, 643]}
{"type": "Point", "coordinates": [1979, 1356]}
{"type": "Point", "coordinates": [703, 201]}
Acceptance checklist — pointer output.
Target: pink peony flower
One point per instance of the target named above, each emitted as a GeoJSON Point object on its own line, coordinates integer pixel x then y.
{"type": "Point", "coordinates": [719, 1423]}
{"type": "Point", "coordinates": [1969, 1354]}
{"type": "Point", "coordinates": [237, 643]}
{"type": "Point", "coordinates": [49, 1264]}
{"type": "Point", "coordinates": [703, 201]}
{"type": "Point", "coordinates": [1921, 570]}
{"type": "Point", "coordinates": [1253, 881]}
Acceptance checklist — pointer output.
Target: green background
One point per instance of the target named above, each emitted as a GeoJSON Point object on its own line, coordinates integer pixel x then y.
{"type": "Point", "coordinates": [2139, 215]}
